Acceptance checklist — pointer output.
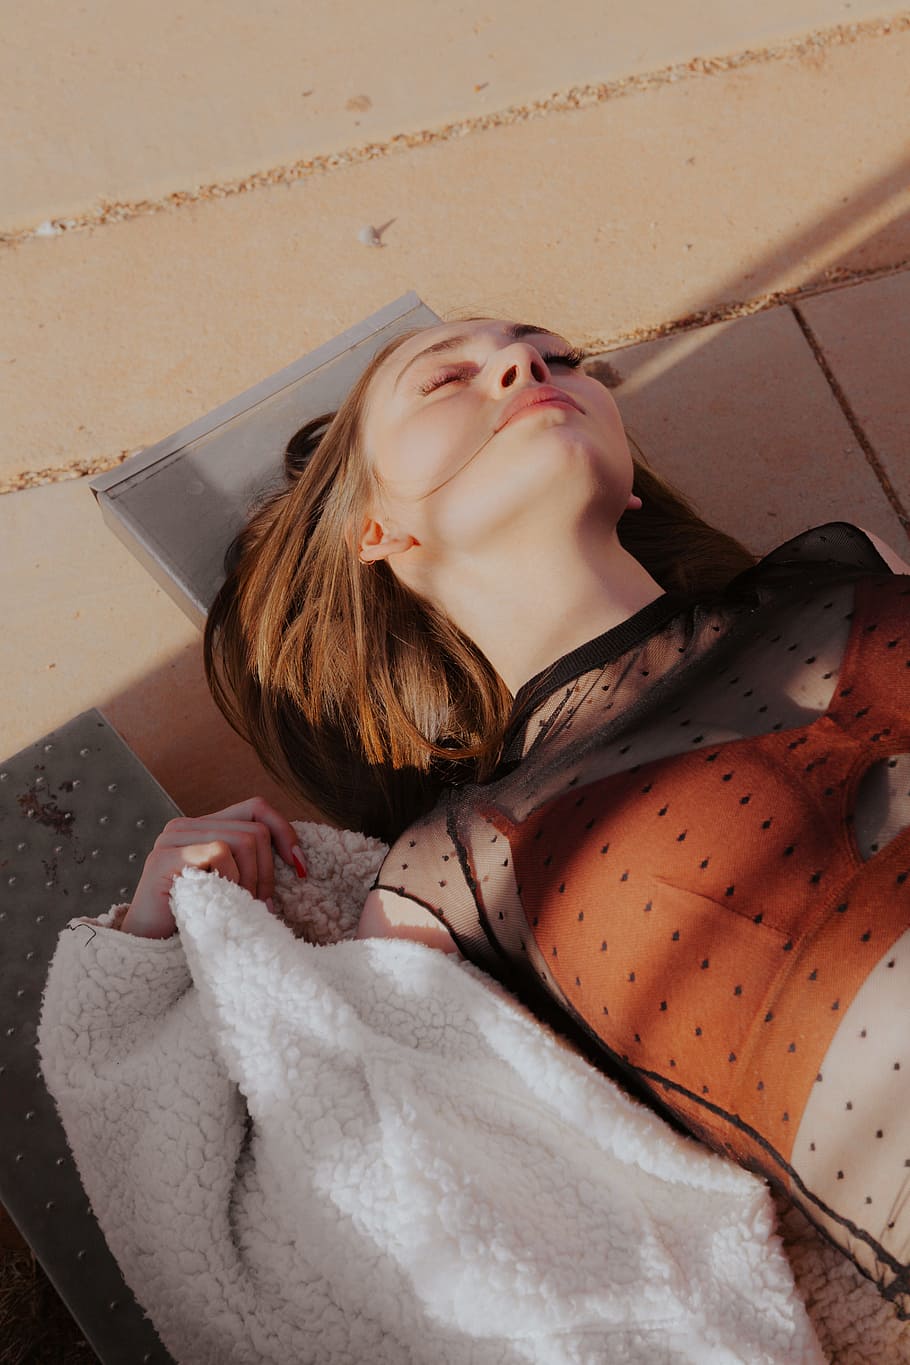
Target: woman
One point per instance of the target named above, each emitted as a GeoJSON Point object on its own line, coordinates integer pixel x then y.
{"type": "Point", "coordinates": [657, 788]}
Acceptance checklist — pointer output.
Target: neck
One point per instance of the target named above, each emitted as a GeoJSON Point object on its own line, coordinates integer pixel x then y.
{"type": "Point", "coordinates": [559, 599]}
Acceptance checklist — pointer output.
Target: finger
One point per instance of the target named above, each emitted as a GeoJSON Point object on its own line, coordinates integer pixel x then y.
{"type": "Point", "coordinates": [280, 829]}
{"type": "Point", "coordinates": [213, 857]}
{"type": "Point", "coordinates": [249, 839]}
{"type": "Point", "coordinates": [242, 845]}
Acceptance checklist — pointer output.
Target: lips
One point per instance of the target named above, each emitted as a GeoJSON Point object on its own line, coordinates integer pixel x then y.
{"type": "Point", "coordinates": [530, 396]}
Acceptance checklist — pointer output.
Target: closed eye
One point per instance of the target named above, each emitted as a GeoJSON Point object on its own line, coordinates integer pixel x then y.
{"type": "Point", "coordinates": [573, 359]}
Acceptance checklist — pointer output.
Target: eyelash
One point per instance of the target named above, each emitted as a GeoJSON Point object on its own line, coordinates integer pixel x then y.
{"type": "Point", "coordinates": [572, 358]}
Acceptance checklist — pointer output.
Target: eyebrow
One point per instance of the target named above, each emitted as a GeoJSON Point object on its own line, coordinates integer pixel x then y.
{"type": "Point", "coordinates": [515, 330]}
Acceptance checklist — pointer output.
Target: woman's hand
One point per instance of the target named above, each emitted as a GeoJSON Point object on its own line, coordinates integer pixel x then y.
{"type": "Point", "coordinates": [236, 841]}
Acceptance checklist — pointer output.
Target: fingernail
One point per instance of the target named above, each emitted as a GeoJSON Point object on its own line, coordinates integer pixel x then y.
{"type": "Point", "coordinates": [271, 904]}
{"type": "Point", "coordinates": [297, 855]}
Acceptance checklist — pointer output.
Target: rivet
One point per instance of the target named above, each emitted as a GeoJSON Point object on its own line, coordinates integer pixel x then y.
{"type": "Point", "coordinates": [112, 786]}
{"type": "Point", "coordinates": [80, 1255]}
{"type": "Point", "coordinates": [59, 1161]}
{"type": "Point", "coordinates": [10, 1031]}
{"type": "Point", "coordinates": [48, 748]}
{"type": "Point", "coordinates": [20, 848]}
{"type": "Point", "coordinates": [39, 781]}
{"type": "Point", "coordinates": [30, 814]}
{"type": "Point", "coordinates": [39, 919]}
{"type": "Point", "coordinates": [49, 884]}
{"type": "Point", "coordinates": [49, 1204]}
{"type": "Point", "coordinates": [11, 881]}
{"type": "Point", "coordinates": [131, 858]}
{"type": "Point", "coordinates": [2, 914]}
{"type": "Point", "coordinates": [84, 753]}
{"type": "Point", "coordinates": [20, 993]}
{"type": "Point", "coordinates": [76, 782]}
{"type": "Point", "coordinates": [104, 820]}
{"type": "Point", "coordinates": [112, 1305]}
{"type": "Point", "coordinates": [140, 824]}
{"type": "Point", "coordinates": [95, 852]}
{"type": "Point", "coordinates": [29, 955]}
{"type": "Point", "coordinates": [30, 1114]}
{"type": "Point", "coordinates": [18, 1156]}
{"type": "Point", "coordinates": [86, 886]}
{"type": "Point", "coordinates": [58, 848]}
{"type": "Point", "coordinates": [124, 890]}
{"type": "Point", "coordinates": [3, 777]}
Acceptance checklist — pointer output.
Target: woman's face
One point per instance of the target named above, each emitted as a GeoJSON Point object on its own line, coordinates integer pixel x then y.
{"type": "Point", "coordinates": [455, 480]}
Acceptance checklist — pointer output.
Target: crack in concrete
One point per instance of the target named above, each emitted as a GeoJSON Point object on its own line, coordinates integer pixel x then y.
{"type": "Point", "coordinates": [837, 277]}
{"type": "Point", "coordinates": [73, 469]}
{"type": "Point", "coordinates": [598, 352]}
{"type": "Point", "coordinates": [576, 97]}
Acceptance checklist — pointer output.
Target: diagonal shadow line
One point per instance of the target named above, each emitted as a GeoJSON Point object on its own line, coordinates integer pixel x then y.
{"type": "Point", "coordinates": [833, 237]}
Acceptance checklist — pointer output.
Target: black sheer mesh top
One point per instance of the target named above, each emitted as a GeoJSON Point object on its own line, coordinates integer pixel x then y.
{"type": "Point", "coordinates": [695, 850]}
{"type": "Point", "coordinates": [761, 656]}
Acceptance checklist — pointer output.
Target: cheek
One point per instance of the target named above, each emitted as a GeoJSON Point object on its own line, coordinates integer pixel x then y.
{"type": "Point", "coordinates": [428, 454]}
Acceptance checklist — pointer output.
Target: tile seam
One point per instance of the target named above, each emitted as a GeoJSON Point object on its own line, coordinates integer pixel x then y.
{"type": "Point", "coordinates": [856, 427]}
{"type": "Point", "coordinates": [79, 469]}
{"type": "Point", "coordinates": [835, 278]}
{"type": "Point", "coordinates": [75, 469]}
{"type": "Point", "coordinates": [570, 100]}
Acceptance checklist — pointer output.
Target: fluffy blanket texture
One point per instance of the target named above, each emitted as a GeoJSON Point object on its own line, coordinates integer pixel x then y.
{"type": "Point", "coordinates": [303, 1148]}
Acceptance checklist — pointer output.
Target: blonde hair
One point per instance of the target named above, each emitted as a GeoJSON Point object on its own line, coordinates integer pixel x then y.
{"type": "Point", "coordinates": [358, 694]}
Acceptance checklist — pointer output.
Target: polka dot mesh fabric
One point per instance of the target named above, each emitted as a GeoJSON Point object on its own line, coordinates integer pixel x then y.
{"type": "Point", "coordinates": [694, 861]}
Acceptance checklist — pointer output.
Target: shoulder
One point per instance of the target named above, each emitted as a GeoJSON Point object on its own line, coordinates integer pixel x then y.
{"type": "Point", "coordinates": [891, 557]}
{"type": "Point", "coordinates": [841, 544]}
{"type": "Point", "coordinates": [387, 915]}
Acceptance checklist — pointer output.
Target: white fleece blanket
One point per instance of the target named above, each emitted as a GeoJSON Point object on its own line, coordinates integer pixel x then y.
{"type": "Point", "coordinates": [306, 1149]}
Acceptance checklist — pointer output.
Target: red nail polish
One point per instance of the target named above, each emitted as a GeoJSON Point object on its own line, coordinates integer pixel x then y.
{"type": "Point", "coordinates": [298, 863]}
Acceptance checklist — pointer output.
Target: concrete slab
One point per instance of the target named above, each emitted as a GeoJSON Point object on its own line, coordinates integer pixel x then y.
{"type": "Point", "coordinates": [603, 223]}
{"type": "Point", "coordinates": [739, 416]}
{"type": "Point", "coordinates": [864, 337]}
{"type": "Point", "coordinates": [141, 100]}
{"type": "Point", "coordinates": [85, 625]}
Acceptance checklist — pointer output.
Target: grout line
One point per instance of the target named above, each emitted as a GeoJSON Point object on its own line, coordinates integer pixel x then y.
{"type": "Point", "coordinates": [838, 277]}
{"type": "Point", "coordinates": [78, 469]}
{"type": "Point", "coordinates": [575, 97]}
{"type": "Point", "coordinates": [877, 467]}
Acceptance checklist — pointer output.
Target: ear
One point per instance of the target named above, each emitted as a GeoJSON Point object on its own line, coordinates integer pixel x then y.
{"type": "Point", "coordinates": [378, 543]}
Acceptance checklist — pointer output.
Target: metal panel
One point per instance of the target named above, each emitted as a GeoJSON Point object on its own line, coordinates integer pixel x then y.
{"type": "Point", "coordinates": [178, 505]}
{"type": "Point", "coordinates": [78, 817]}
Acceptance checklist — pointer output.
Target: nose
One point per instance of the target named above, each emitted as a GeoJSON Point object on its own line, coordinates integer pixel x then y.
{"type": "Point", "coordinates": [520, 360]}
